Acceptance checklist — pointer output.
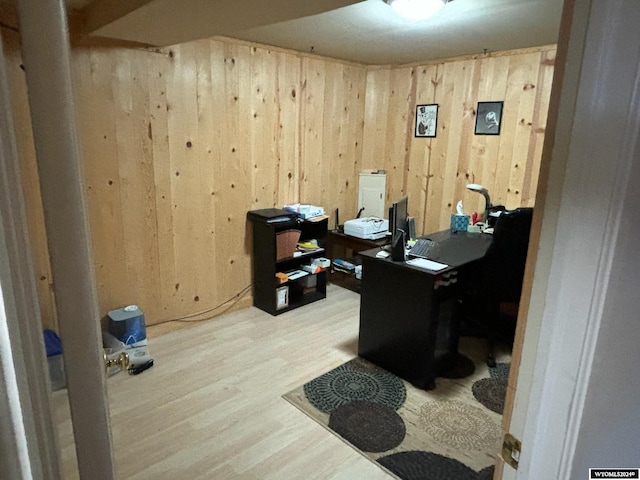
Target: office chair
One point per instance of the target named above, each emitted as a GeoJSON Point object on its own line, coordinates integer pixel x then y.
{"type": "Point", "coordinates": [498, 277]}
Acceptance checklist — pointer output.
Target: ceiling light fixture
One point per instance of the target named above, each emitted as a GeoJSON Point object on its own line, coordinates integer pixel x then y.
{"type": "Point", "coordinates": [416, 9]}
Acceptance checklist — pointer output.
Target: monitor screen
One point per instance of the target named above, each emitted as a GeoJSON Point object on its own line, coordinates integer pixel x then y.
{"type": "Point", "coordinates": [398, 214]}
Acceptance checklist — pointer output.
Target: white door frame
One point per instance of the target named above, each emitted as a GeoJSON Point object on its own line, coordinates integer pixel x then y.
{"type": "Point", "coordinates": [589, 186]}
{"type": "Point", "coordinates": [27, 435]}
{"type": "Point", "coordinates": [46, 57]}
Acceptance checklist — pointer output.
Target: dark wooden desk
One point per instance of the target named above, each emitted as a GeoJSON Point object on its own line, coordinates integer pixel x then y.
{"type": "Point", "coordinates": [338, 243]}
{"type": "Point", "coordinates": [335, 238]}
{"type": "Point", "coordinates": [406, 313]}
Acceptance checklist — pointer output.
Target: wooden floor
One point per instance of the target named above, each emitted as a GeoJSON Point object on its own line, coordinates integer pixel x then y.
{"type": "Point", "coordinates": [211, 407]}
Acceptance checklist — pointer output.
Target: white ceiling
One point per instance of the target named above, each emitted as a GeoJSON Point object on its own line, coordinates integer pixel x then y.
{"type": "Point", "coordinates": [365, 32]}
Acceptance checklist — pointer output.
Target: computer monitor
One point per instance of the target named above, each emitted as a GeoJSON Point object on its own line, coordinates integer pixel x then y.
{"type": "Point", "coordinates": [398, 219]}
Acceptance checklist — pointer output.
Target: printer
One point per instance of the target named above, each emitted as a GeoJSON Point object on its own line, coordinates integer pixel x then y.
{"type": "Point", "coordinates": [369, 228]}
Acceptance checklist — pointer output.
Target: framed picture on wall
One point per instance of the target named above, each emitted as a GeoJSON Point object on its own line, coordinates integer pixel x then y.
{"type": "Point", "coordinates": [488, 118]}
{"type": "Point", "coordinates": [426, 120]}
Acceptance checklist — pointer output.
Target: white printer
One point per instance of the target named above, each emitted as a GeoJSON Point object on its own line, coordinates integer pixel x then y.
{"type": "Point", "coordinates": [369, 228]}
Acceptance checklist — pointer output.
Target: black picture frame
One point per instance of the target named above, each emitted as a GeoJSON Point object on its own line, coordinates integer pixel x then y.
{"type": "Point", "coordinates": [426, 120]}
{"type": "Point", "coordinates": [488, 118]}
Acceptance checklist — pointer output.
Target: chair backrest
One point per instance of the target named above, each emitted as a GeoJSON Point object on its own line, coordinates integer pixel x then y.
{"type": "Point", "coordinates": [503, 265]}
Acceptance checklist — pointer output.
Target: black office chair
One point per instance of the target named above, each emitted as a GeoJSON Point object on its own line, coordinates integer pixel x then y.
{"type": "Point", "coordinates": [498, 277]}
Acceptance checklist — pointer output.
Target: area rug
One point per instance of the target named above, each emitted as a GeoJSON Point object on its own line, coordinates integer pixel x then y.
{"type": "Point", "coordinates": [492, 391]}
{"type": "Point", "coordinates": [444, 433]}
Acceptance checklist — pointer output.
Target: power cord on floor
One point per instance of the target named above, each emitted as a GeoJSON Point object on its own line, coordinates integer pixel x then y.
{"type": "Point", "coordinates": [188, 318]}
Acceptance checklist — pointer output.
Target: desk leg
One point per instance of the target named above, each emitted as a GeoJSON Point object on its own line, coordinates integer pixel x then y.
{"type": "Point", "coordinates": [450, 363]}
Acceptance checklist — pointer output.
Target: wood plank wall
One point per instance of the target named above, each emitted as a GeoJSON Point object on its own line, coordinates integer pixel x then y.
{"type": "Point", "coordinates": [179, 143]}
{"type": "Point", "coordinates": [434, 172]}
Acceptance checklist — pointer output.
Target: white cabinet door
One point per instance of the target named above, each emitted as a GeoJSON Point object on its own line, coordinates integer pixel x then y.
{"type": "Point", "coordinates": [371, 189]}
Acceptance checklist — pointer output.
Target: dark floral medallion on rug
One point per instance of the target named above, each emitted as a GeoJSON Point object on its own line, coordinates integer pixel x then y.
{"type": "Point", "coordinates": [417, 465]}
{"type": "Point", "coordinates": [355, 381]}
{"type": "Point", "coordinates": [492, 391]}
{"type": "Point", "coordinates": [361, 401]}
{"type": "Point", "coordinates": [369, 426]}
{"type": "Point", "coordinates": [500, 371]}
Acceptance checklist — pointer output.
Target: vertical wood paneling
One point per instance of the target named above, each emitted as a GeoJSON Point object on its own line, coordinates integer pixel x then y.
{"type": "Point", "coordinates": [375, 126]}
{"type": "Point", "coordinates": [538, 127]}
{"type": "Point", "coordinates": [520, 159]}
{"type": "Point", "coordinates": [285, 127]}
{"type": "Point", "coordinates": [331, 130]}
{"type": "Point", "coordinates": [137, 183]}
{"type": "Point", "coordinates": [178, 144]}
{"type": "Point", "coordinates": [97, 127]}
{"type": "Point", "coordinates": [454, 186]}
{"type": "Point", "coordinates": [184, 174]}
{"type": "Point", "coordinates": [420, 155]}
{"type": "Point", "coordinates": [399, 128]}
{"type": "Point", "coordinates": [215, 103]}
{"type": "Point", "coordinates": [435, 171]}
{"type": "Point", "coordinates": [518, 99]}
{"type": "Point", "coordinates": [158, 131]}
{"type": "Point", "coordinates": [458, 180]}
{"type": "Point", "coordinates": [451, 94]}
{"type": "Point", "coordinates": [264, 128]}
{"type": "Point", "coordinates": [313, 79]}
{"type": "Point", "coordinates": [350, 159]}
{"type": "Point", "coordinates": [438, 156]}
{"type": "Point", "coordinates": [331, 191]}
{"type": "Point", "coordinates": [203, 159]}
{"type": "Point", "coordinates": [493, 88]}
{"type": "Point", "coordinates": [234, 174]}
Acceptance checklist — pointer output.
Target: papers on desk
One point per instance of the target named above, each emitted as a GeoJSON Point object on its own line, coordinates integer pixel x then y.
{"type": "Point", "coordinates": [426, 264]}
{"type": "Point", "coordinates": [296, 274]}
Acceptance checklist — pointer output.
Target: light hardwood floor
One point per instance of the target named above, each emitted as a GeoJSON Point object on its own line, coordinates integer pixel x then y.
{"type": "Point", "coordinates": [211, 407]}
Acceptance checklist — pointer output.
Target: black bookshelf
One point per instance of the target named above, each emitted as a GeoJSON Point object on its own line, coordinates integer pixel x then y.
{"type": "Point", "coordinates": [267, 290]}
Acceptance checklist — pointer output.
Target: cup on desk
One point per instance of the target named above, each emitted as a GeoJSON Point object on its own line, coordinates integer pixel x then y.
{"type": "Point", "coordinates": [459, 223]}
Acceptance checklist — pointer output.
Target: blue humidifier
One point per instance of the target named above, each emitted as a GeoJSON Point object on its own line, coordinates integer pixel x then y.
{"type": "Point", "coordinates": [127, 325]}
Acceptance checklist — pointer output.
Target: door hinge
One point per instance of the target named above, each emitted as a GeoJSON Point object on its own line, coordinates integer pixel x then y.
{"type": "Point", "coordinates": [511, 448]}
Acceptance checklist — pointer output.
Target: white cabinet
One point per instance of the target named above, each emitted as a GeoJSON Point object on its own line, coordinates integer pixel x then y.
{"type": "Point", "coordinates": [371, 190]}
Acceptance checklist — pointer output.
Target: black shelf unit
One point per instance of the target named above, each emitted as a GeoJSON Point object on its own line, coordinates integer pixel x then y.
{"type": "Point", "coordinates": [347, 247]}
{"type": "Point", "coordinates": [266, 224]}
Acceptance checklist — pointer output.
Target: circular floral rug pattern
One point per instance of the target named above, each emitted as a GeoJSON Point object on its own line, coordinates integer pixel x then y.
{"type": "Point", "coordinates": [345, 384]}
{"type": "Point", "coordinates": [500, 371]}
{"type": "Point", "coordinates": [369, 426]}
{"type": "Point", "coordinates": [486, 473]}
{"type": "Point", "coordinates": [491, 393]}
{"type": "Point", "coordinates": [460, 425]}
{"type": "Point", "coordinates": [417, 465]}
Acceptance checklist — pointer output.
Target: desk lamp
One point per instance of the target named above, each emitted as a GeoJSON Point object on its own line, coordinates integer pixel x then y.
{"type": "Point", "coordinates": [474, 187]}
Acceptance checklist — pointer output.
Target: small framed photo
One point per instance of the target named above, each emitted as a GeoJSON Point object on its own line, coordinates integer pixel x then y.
{"type": "Point", "coordinates": [488, 118]}
{"type": "Point", "coordinates": [426, 120]}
